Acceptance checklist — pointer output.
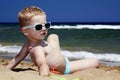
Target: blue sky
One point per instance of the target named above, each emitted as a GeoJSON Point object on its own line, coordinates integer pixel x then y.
{"type": "Point", "coordinates": [65, 10]}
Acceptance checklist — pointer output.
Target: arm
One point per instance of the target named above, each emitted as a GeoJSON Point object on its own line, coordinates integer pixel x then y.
{"type": "Point", "coordinates": [38, 56]}
{"type": "Point", "coordinates": [15, 61]}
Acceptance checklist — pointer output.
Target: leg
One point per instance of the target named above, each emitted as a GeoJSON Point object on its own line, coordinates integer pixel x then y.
{"type": "Point", "coordinates": [60, 60]}
{"type": "Point", "coordinates": [83, 64]}
{"type": "Point", "coordinates": [56, 59]}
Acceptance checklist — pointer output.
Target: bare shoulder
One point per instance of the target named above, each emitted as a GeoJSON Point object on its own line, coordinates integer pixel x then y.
{"type": "Point", "coordinates": [34, 49]}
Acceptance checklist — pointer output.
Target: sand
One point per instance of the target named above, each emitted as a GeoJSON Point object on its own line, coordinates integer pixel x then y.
{"type": "Point", "coordinates": [28, 71]}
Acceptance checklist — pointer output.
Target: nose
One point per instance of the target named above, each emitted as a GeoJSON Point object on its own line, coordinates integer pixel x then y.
{"type": "Point", "coordinates": [43, 28]}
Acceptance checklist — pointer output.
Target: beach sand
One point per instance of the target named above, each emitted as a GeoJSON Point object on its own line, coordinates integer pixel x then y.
{"type": "Point", "coordinates": [28, 71]}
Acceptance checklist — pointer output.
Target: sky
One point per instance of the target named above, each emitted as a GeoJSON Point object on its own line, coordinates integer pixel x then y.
{"type": "Point", "coordinates": [65, 10]}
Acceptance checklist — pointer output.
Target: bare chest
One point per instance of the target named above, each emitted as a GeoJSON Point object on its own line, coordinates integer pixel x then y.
{"type": "Point", "coordinates": [48, 50]}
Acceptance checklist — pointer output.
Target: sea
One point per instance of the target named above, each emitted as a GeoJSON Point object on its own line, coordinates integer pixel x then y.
{"type": "Point", "coordinates": [77, 40]}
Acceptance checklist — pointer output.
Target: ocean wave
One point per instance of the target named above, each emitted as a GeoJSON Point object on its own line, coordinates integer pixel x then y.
{"type": "Point", "coordinates": [5, 28]}
{"type": "Point", "coordinates": [85, 54]}
{"type": "Point", "coordinates": [10, 49]}
{"type": "Point", "coordinates": [70, 54]}
{"type": "Point", "coordinates": [78, 26]}
{"type": "Point", "coordinates": [86, 26]}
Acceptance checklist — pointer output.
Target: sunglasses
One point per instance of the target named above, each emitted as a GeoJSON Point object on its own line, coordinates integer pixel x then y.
{"type": "Point", "coordinates": [39, 26]}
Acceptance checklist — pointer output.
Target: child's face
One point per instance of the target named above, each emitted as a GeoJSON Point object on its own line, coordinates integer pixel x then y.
{"type": "Point", "coordinates": [34, 34]}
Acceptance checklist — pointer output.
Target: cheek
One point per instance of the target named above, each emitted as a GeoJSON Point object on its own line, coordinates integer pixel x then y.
{"type": "Point", "coordinates": [31, 33]}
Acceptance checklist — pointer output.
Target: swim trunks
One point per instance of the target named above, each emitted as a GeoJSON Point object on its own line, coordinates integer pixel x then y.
{"type": "Point", "coordinates": [67, 70]}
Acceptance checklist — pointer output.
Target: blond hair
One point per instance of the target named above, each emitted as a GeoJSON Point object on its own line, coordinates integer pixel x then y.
{"type": "Point", "coordinates": [27, 13]}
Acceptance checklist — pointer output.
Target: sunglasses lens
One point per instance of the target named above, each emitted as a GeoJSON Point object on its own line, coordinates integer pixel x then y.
{"type": "Point", "coordinates": [38, 27]}
{"type": "Point", "coordinates": [47, 25]}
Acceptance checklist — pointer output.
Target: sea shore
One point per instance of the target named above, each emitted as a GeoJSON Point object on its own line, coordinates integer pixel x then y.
{"type": "Point", "coordinates": [26, 70]}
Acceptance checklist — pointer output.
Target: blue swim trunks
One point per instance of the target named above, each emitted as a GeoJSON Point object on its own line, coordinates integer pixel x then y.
{"type": "Point", "coordinates": [67, 70]}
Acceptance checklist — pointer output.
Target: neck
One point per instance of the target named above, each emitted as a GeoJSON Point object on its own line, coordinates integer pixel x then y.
{"type": "Point", "coordinates": [33, 43]}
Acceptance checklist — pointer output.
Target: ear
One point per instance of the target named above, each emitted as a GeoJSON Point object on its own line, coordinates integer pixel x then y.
{"type": "Point", "coordinates": [24, 31]}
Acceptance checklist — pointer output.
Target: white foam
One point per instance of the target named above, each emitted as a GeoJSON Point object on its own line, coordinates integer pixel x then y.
{"type": "Point", "coordinates": [85, 54]}
{"type": "Point", "coordinates": [70, 54]}
{"type": "Point", "coordinates": [10, 49]}
{"type": "Point", "coordinates": [86, 26]}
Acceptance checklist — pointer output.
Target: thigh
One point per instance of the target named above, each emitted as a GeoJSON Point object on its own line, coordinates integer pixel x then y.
{"type": "Point", "coordinates": [56, 59]}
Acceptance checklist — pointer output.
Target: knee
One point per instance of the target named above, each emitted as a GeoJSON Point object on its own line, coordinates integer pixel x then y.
{"type": "Point", "coordinates": [53, 37]}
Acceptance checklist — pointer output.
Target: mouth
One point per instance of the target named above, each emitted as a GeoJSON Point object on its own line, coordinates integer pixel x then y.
{"type": "Point", "coordinates": [43, 33]}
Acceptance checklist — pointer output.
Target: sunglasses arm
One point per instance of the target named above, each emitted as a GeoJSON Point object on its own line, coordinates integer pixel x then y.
{"type": "Point", "coordinates": [28, 27]}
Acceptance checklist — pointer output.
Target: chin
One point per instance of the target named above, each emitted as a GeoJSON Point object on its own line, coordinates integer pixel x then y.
{"type": "Point", "coordinates": [43, 37]}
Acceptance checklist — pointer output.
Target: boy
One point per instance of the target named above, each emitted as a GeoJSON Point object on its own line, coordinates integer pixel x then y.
{"type": "Point", "coordinates": [45, 54]}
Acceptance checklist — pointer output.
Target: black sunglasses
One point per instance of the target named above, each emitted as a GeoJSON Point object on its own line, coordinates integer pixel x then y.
{"type": "Point", "coordinates": [39, 26]}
